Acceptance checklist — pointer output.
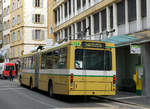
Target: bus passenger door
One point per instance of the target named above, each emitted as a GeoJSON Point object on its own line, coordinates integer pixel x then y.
{"type": "Point", "coordinates": [37, 64]}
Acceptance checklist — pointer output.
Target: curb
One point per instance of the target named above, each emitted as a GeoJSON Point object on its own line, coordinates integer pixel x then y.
{"type": "Point", "coordinates": [125, 102]}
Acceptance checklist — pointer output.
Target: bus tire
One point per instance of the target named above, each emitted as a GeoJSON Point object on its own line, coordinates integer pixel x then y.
{"type": "Point", "coordinates": [50, 89]}
{"type": "Point", "coordinates": [31, 83]}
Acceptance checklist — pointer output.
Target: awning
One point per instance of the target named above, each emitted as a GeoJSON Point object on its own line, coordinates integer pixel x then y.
{"type": "Point", "coordinates": [124, 40]}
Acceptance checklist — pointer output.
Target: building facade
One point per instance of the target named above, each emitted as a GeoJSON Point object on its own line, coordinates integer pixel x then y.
{"type": "Point", "coordinates": [6, 30]}
{"type": "Point", "coordinates": [104, 19]}
{"type": "Point", "coordinates": [28, 26]}
{"type": "Point", "coordinates": [1, 23]}
{"type": "Point", "coordinates": [98, 19]}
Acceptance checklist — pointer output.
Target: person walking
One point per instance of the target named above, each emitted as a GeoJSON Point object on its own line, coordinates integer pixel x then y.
{"type": "Point", "coordinates": [10, 74]}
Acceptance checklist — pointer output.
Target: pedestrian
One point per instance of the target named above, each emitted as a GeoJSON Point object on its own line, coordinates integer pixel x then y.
{"type": "Point", "coordinates": [10, 74]}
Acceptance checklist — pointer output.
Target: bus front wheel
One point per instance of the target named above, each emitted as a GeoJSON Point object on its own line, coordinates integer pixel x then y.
{"type": "Point", "coordinates": [31, 84]}
{"type": "Point", "coordinates": [20, 80]}
{"type": "Point", "coordinates": [50, 89]}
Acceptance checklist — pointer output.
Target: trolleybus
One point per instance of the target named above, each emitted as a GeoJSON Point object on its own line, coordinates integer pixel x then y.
{"type": "Point", "coordinates": [77, 67]}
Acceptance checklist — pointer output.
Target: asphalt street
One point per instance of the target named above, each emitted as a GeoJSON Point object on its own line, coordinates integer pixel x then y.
{"type": "Point", "coordinates": [13, 96]}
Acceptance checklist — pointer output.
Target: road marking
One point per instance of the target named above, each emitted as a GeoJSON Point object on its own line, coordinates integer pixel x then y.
{"type": "Point", "coordinates": [128, 97]}
{"type": "Point", "coordinates": [80, 108]}
{"type": "Point", "coordinates": [5, 89]}
{"type": "Point", "coordinates": [36, 100]}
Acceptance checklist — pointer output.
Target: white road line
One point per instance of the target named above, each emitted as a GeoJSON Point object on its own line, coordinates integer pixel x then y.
{"type": "Point", "coordinates": [36, 100]}
{"type": "Point", "coordinates": [128, 97]}
{"type": "Point", "coordinates": [5, 89]}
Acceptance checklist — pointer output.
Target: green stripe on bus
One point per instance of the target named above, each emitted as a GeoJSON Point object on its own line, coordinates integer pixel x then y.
{"type": "Point", "coordinates": [109, 47]}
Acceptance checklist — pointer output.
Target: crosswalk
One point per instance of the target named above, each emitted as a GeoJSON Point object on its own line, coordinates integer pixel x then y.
{"type": "Point", "coordinates": [6, 84]}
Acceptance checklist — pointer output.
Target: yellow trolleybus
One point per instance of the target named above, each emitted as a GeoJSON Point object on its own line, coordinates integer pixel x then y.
{"type": "Point", "coordinates": [78, 67]}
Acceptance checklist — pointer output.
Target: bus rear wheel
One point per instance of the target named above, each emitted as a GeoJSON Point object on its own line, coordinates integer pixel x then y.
{"type": "Point", "coordinates": [50, 90]}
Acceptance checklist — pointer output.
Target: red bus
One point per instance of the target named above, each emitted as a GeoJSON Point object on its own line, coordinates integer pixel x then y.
{"type": "Point", "coordinates": [5, 69]}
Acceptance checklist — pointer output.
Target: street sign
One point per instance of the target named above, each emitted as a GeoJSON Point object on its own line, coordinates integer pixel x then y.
{"type": "Point", "coordinates": [135, 49]}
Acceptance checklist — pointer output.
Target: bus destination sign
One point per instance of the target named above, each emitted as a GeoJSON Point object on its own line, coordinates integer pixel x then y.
{"type": "Point", "coordinates": [93, 45]}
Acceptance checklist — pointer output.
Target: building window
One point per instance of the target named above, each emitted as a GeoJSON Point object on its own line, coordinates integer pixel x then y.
{"type": "Point", "coordinates": [131, 10]}
{"type": "Point", "coordinates": [66, 9]}
{"type": "Point", "coordinates": [58, 14]}
{"type": "Point", "coordinates": [121, 12]}
{"type": "Point", "coordinates": [13, 6]}
{"type": "Point", "coordinates": [8, 38]}
{"type": "Point", "coordinates": [13, 52]}
{"type": "Point", "coordinates": [96, 23]}
{"type": "Point", "coordinates": [84, 28]}
{"type": "Point", "coordinates": [79, 29]}
{"type": "Point", "coordinates": [89, 19]}
{"type": "Point", "coordinates": [11, 37]}
{"type": "Point", "coordinates": [37, 18]}
{"type": "Point", "coordinates": [55, 16]}
{"type": "Point", "coordinates": [70, 35]}
{"type": "Point", "coordinates": [5, 12]}
{"type": "Point", "coordinates": [19, 35]}
{"type": "Point", "coordinates": [19, 3]}
{"type": "Point", "coordinates": [8, 24]}
{"type": "Point", "coordinates": [78, 4]}
{"type": "Point", "coordinates": [84, 2]}
{"type": "Point", "coordinates": [143, 8]}
{"type": "Point", "coordinates": [13, 22]}
{"type": "Point", "coordinates": [38, 35]}
{"type": "Point", "coordinates": [73, 5]}
{"type": "Point", "coordinates": [111, 16]}
{"type": "Point", "coordinates": [18, 19]}
{"type": "Point", "coordinates": [14, 36]}
{"type": "Point", "coordinates": [8, 10]}
{"type": "Point", "coordinates": [37, 3]}
{"type": "Point", "coordinates": [66, 33]}
{"type": "Point", "coordinates": [104, 23]}
{"type": "Point", "coordinates": [69, 7]}
{"type": "Point", "coordinates": [18, 51]}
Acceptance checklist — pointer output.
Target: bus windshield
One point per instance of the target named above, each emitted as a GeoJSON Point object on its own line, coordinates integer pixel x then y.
{"type": "Point", "coordinates": [93, 59]}
{"type": "Point", "coordinates": [9, 67]}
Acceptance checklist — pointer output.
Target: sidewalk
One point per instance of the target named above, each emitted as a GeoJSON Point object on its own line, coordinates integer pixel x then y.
{"type": "Point", "coordinates": [130, 98]}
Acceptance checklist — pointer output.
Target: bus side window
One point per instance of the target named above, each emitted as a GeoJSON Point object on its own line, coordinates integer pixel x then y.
{"type": "Point", "coordinates": [43, 61]}
{"type": "Point", "coordinates": [63, 58]}
{"type": "Point", "coordinates": [55, 59]}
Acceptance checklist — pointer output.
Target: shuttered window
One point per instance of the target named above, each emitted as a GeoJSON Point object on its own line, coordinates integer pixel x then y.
{"type": "Point", "coordinates": [131, 10]}
{"type": "Point", "coordinates": [143, 8]}
{"type": "Point", "coordinates": [111, 17]}
{"type": "Point", "coordinates": [96, 23]}
{"type": "Point", "coordinates": [38, 3]}
{"type": "Point", "coordinates": [78, 4]}
{"type": "Point", "coordinates": [104, 23]}
{"type": "Point", "coordinates": [79, 29]}
{"type": "Point", "coordinates": [38, 35]}
{"type": "Point", "coordinates": [38, 18]}
{"type": "Point", "coordinates": [121, 12]}
{"type": "Point", "coordinates": [66, 9]}
{"type": "Point", "coordinates": [84, 2]}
